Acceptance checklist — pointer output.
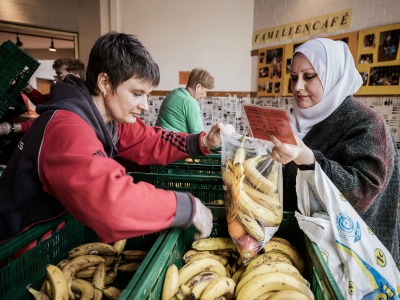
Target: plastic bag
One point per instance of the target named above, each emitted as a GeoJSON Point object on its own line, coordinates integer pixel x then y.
{"type": "Point", "coordinates": [361, 265]}
{"type": "Point", "coordinates": [253, 193]}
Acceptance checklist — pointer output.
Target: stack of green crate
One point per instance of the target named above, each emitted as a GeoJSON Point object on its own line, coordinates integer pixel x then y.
{"type": "Point", "coordinates": [53, 241]}
{"type": "Point", "coordinates": [176, 242]}
{"type": "Point", "coordinates": [198, 165]}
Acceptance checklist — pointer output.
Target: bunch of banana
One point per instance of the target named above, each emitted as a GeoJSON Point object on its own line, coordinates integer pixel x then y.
{"type": "Point", "coordinates": [88, 271]}
{"type": "Point", "coordinates": [253, 201]}
{"type": "Point", "coordinates": [276, 272]}
{"type": "Point", "coordinates": [206, 273]}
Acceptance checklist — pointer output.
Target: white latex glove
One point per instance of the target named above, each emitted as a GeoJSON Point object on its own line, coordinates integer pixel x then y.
{"type": "Point", "coordinates": [213, 138]}
{"type": "Point", "coordinates": [5, 128]}
{"type": "Point", "coordinates": [227, 129]}
{"type": "Point", "coordinates": [202, 220]}
{"type": "Point", "coordinates": [284, 153]}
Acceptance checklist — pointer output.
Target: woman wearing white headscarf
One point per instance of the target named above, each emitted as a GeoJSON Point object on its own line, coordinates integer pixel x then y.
{"type": "Point", "coordinates": [351, 142]}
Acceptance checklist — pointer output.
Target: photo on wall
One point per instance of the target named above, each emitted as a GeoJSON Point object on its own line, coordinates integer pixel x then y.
{"type": "Point", "coordinates": [369, 41]}
{"type": "Point", "coordinates": [384, 76]}
{"type": "Point", "coordinates": [366, 58]}
{"type": "Point", "coordinates": [389, 45]}
{"type": "Point", "coordinates": [263, 72]}
{"type": "Point", "coordinates": [276, 71]}
{"type": "Point", "coordinates": [274, 56]}
{"type": "Point", "coordinates": [288, 65]}
{"type": "Point", "coordinates": [364, 76]}
{"type": "Point", "coordinates": [262, 57]}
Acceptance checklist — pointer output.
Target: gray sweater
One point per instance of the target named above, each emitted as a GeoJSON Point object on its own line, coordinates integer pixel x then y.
{"type": "Point", "coordinates": [357, 151]}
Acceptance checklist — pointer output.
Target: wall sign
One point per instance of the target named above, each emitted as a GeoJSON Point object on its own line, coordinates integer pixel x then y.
{"type": "Point", "coordinates": [326, 23]}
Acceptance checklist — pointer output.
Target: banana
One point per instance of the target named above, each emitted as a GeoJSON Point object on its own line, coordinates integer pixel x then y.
{"type": "Point", "coordinates": [119, 246]}
{"type": "Point", "coordinates": [251, 225]}
{"type": "Point", "coordinates": [97, 248]}
{"type": "Point", "coordinates": [170, 285]}
{"type": "Point", "coordinates": [62, 263]}
{"type": "Point", "coordinates": [267, 295]}
{"type": "Point", "coordinates": [288, 294]}
{"type": "Point", "coordinates": [203, 276]}
{"type": "Point", "coordinates": [270, 267]}
{"type": "Point", "coordinates": [238, 274]}
{"type": "Point", "coordinates": [183, 292]}
{"type": "Point", "coordinates": [129, 267]}
{"type": "Point", "coordinates": [110, 277]}
{"type": "Point", "coordinates": [289, 250]}
{"type": "Point", "coordinates": [216, 243]}
{"type": "Point", "coordinates": [269, 282]}
{"type": "Point", "coordinates": [109, 260]}
{"type": "Point", "coordinates": [221, 286]}
{"type": "Point", "coordinates": [198, 266]}
{"type": "Point", "coordinates": [203, 254]}
{"type": "Point", "coordinates": [281, 240]}
{"type": "Point", "coordinates": [38, 295]}
{"type": "Point", "coordinates": [134, 254]}
{"type": "Point", "coordinates": [98, 295]}
{"type": "Point", "coordinates": [198, 289]}
{"type": "Point", "coordinates": [78, 263]}
{"type": "Point", "coordinates": [84, 288]}
{"type": "Point", "coordinates": [261, 213]}
{"type": "Point", "coordinates": [87, 272]}
{"type": "Point", "coordinates": [268, 257]}
{"type": "Point", "coordinates": [111, 292]}
{"type": "Point", "coordinates": [239, 158]}
{"type": "Point", "coordinates": [99, 277]}
{"type": "Point", "coordinates": [271, 201]}
{"type": "Point", "coordinates": [256, 178]}
{"type": "Point", "coordinates": [46, 288]}
{"type": "Point", "coordinates": [58, 283]}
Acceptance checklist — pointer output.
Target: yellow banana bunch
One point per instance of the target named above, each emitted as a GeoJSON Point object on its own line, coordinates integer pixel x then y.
{"type": "Point", "coordinates": [268, 257]}
{"type": "Point", "coordinates": [268, 267]}
{"type": "Point", "coordinates": [76, 264]}
{"type": "Point", "coordinates": [261, 182]}
{"type": "Point", "coordinates": [289, 250]}
{"type": "Point", "coordinates": [239, 159]}
{"type": "Point", "coordinates": [251, 225]}
{"type": "Point", "coordinates": [134, 255]}
{"type": "Point", "coordinates": [206, 254]}
{"type": "Point", "coordinates": [216, 243]}
{"type": "Point", "coordinates": [198, 266]}
{"type": "Point", "coordinates": [119, 246]}
{"type": "Point", "coordinates": [97, 248]}
{"type": "Point", "coordinates": [269, 282]}
{"type": "Point", "coordinates": [99, 277]}
{"type": "Point", "coordinates": [288, 294]}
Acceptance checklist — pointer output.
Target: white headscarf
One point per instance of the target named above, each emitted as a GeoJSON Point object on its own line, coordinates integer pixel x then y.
{"type": "Point", "coordinates": [334, 64]}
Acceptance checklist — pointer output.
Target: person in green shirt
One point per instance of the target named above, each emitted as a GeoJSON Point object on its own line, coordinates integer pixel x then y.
{"type": "Point", "coordinates": [180, 110]}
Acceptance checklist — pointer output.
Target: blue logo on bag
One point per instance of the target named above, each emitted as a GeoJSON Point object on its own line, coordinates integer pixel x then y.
{"type": "Point", "coordinates": [347, 228]}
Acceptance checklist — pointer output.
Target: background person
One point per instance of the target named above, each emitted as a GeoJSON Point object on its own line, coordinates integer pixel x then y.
{"type": "Point", "coordinates": [351, 142]}
{"type": "Point", "coordinates": [65, 162]}
{"type": "Point", "coordinates": [62, 67]}
{"type": "Point", "coordinates": [180, 110]}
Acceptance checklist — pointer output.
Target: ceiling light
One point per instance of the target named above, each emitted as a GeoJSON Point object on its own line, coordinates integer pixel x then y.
{"type": "Point", "coordinates": [18, 43]}
{"type": "Point", "coordinates": [52, 48]}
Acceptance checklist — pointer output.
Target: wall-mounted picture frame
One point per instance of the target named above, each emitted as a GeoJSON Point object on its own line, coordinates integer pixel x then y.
{"type": "Point", "coordinates": [381, 76]}
{"type": "Point", "coordinates": [271, 69]}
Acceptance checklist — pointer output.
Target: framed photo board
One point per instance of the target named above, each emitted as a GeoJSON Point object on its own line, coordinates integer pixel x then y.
{"type": "Point", "coordinates": [378, 60]}
{"type": "Point", "coordinates": [270, 71]}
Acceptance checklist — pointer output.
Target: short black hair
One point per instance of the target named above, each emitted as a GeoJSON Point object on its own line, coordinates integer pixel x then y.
{"type": "Point", "coordinates": [121, 56]}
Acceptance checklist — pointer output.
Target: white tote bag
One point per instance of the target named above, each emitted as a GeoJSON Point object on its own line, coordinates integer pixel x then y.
{"type": "Point", "coordinates": [361, 265]}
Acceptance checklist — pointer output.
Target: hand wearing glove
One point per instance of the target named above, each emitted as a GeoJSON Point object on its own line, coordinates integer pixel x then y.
{"type": "Point", "coordinates": [284, 153]}
{"type": "Point", "coordinates": [213, 138]}
{"type": "Point", "coordinates": [202, 220]}
{"type": "Point", "coordinates": [5, 128]}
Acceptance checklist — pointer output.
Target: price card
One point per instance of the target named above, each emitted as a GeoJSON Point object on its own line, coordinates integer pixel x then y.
{"type": "Point", "coordinates": [266, 121]}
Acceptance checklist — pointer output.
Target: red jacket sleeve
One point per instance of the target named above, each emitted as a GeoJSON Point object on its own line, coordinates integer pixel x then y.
{"type": "Point", "coordinates": [95, 189]}
{"type": "Point", "coordinates": [37, 97]}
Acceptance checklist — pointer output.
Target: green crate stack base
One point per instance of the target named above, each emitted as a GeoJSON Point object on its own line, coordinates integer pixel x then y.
{"type": "Point", "coordinates": [206, 188]}
{"type": "Point", "coordinates": [66, 233]}
{"type": "Point", "coordinates": [16, 68]}
{"type": "Point", "coordinates": [177, 241]}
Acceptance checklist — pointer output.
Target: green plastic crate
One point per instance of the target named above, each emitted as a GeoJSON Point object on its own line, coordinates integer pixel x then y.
{"type": "Point", "coordinates": [176, 242]}
{"type": "Point", "coordinates": [65, 233]}
{"type": "Point", "coordinates": [16, 68]}
{"type": "Point", "coordinates": [187, 169]}
{"type": "Point", "coordinates": [211, 159]}
{"type": "Point", "coordinates": [206, 188]}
